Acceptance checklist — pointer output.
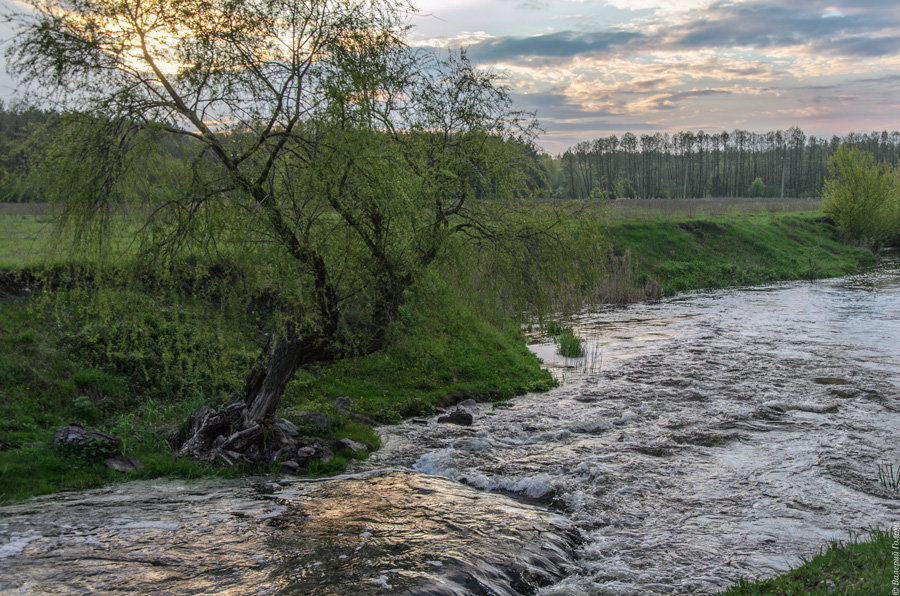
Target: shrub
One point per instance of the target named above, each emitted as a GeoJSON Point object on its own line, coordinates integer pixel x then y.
{"type": "Point", "coordinates": [862, 198]}
{"type": "Point", "coordinates": [757, 188]}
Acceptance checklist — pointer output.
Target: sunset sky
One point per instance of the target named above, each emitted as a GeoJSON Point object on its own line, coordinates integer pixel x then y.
{"type": "Point", "coordinates": [592, 68]}
{"type": "Point", "coordinates": [598, 67]}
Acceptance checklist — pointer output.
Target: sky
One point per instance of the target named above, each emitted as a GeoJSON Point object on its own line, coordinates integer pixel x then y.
{"type": "Point", "coordinates": [593, 68]}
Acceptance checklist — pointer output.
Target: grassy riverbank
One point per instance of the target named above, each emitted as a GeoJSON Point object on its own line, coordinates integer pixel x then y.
{"type": "Point", "coordinates": [860, 567]}
{"type": "Point", "coordinates": [737, 249]}
{"type": "Point", "coordinates": [135, 364]}
{"type": "Point", "coordinates": [134, 361]}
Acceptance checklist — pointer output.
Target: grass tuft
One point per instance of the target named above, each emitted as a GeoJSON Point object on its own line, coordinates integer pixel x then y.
{"type": "Point", "coordinates": [569, 344]}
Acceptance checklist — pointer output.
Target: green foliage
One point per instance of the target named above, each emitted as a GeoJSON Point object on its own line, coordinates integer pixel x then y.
{"type": "Point", "coordinates": [569, 344]}
{"type": "Point", "coordinates": [85, 409]}
{"type": "Point", "coordinates": [863, 198]}
{"type": "Point", "coordinates": [858, 567]}
{"type": "Point", "coordinates": [90, 450]}
{"type": "Point", "coordinates": [757, 188]}
{"type": "Point", "coordinates": [553, 263]}
{"type": "Point", "coordinates": [552, 328]}
{"type": "Point", "coordinates": [165, 352]}
{"type": "Point", "coordinates": [135, 363]}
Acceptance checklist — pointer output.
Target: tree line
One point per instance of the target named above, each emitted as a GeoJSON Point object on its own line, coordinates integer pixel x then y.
{"type": "Point", "coordinates": [20, 127]}
{"type": "Point", "coordinates": [681, 165]}
{"type": "Point", "coordinates": [686, 164]}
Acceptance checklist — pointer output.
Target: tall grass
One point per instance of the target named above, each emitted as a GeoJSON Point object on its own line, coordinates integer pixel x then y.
{"type": "Point", "coordinates": [889, 477]}
{"type": "Point", "coordinates": [569, 344]}
{"type": "Point", "coordinates": [859, 566]}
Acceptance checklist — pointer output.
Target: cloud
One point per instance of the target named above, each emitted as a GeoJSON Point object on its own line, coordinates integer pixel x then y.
{"type": "Point", "coordinates": [563, 45]}
{"type": "Point", "coordinates": [668, 102]}
{"type": "Point", "coordinates": [863, 29]}
{"type": "Point", "coordinates": [659, 6]}
{"type": "Point", "coordinates": [861, 46]}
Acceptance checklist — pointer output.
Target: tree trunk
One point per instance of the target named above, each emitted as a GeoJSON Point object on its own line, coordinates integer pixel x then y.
{"type": "Point", "coordinates": [270, 374]}
{"type": "Point", "coordinates": [236, 433]}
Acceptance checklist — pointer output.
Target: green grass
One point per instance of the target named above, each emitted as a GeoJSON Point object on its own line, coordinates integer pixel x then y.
{"type": "Point", "coordinates": [446, 354]}
{"type": "Point", "coordinates": [859, 566]}
{"type": "Point", "coordinates": [569, 344]}
{"type": "Point", "coordinates": [135, 363]}
{"type": "Point", "coordinates": [734, 250]}
{"type": "Point", "coordinates": [22, 239]}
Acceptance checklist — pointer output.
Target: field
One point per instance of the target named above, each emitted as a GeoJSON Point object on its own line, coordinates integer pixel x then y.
{"type": "Point", "coordinates": [694, 208]}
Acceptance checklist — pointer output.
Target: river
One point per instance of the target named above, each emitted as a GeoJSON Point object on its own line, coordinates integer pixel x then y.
{"type": "Point", "coordinates": [705, 437]}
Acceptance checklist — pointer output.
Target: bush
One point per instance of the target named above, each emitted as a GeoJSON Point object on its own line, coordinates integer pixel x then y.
{"type": "Point", "coordinates": [757, 188]}
{"type": "Point", "coordinates": [862, 198]}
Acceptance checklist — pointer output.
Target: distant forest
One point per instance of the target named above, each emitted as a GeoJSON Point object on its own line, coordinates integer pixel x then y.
{"type": "Point", "coordinates": [696, 165]}
{"type": "Point", "coordinates": [20, 130]}
{"type": "Point", "coordinates": [685, 164]}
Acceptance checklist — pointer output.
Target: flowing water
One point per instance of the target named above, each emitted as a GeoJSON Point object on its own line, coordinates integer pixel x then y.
{"type": "Point", "coordinates": [705, 437]}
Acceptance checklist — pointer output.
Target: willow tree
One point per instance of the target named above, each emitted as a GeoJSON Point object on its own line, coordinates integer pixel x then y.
{"type": "Point", "coordinates": [335, 155]}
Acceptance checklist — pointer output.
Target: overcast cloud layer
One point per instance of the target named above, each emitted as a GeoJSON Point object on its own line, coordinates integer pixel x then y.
{"type": "Point", "coordinates": [597, 67]}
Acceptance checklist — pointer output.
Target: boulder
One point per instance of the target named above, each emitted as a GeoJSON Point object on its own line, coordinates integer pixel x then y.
{"type": "Point", "coordinates": [75, 435]}
{"type": "Point", "coordinates": [285, 453]}
{"type": "Point", "coordinates": [343, 404]}
{"type": "Point", "coordinates": [124, 464]}
{"type": "Point", "coordinates": [305, 454]}
{"type": "Point", "coordinates": [312, 450]}
{"type": "Point", "coordinates": [326, 455]}
{"type": "Point", "coordinates": [352, 445]}
{"type": "Point", "coordinates": [285, 427]}
{"type": "Point", "coordinates": [457, 416]}
{"type": "Point", "coordinates": [284, 434]}
{"type": "Point", "coordinates": [467, 404]}
{"type": "Point", "coordinates": [290, 467]}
